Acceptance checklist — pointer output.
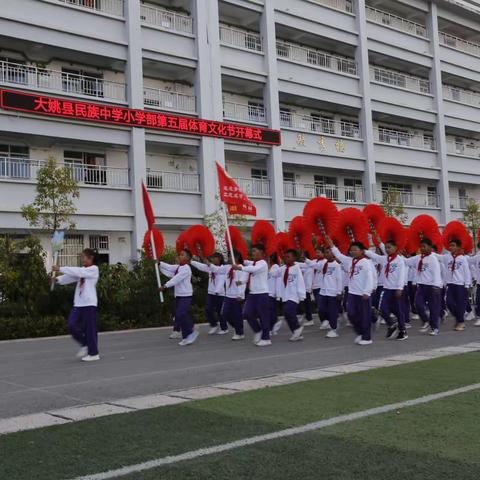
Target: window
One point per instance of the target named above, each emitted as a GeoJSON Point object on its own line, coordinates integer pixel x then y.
{"type": "Point", "coordinates": [459, 145]}
{"type": "Point", "coordinates": [14, 161]}
{"type": "Point", "coordinates": [72, 248]}
{"type": "Point", "coordinates": [289, 185]}
{"type": "Point", "coordinates": [462, 198]}
{"type": "Point", "coordinates": [285, 117]}
{"type": "Point", "coordinates": [256, 112]}
{"type": "Point", "coordinates": [259, 174]}
{"type": "Point", "coordinates": [432, 197]}
{"type": "Point", "coordinates": [326, 187]}
{"type": "Point", "coordinates": [86, 167]}
{"type": "Point", "coordinates": [322, 124]}
{"type": "Point", "coordinates": [82, 82]}
{"type": "Point", "coordinates": [349, 128]}
{"type": "Point", "coordinates": [101, 244]}
{"type": "Point", "coordinates": [393, 136]}
{"type": "Point", "coordinates": [353, 190]}
{"type": "Point", "coordinates": [397, 192]}
{"type": "Point", "coordinates": [428, 142]}
{"type": "Point", "coordinates": [283, 50]}
{"type": "Point", "coordinates": [253, 42]}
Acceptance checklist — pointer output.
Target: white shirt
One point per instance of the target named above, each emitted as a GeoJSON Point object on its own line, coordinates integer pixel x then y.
{"type": "Point", "coordinates": [361, 281]}
{"type": "Point", "coordinates": [412, 272]}
{"type": "Point", "coordinates": [258, 276]}
{"type": "Point", "coordinates": [216, 281]}
{"type": "Point", "coordinates": [431, 273]}
{"type": "Point", "coordinates": [295, 290]}
{"type": "Point", "coordinates": [272, 281]}
{"type": "Point", "coordinates": [232, 290]}
{"type": "Point", "coordinates": [332, 281]}
{"type": "Point", "coordinates": [396, 274]}
{"type": "Point", "coordinates": [180, 278]}
{"type": "Point", "coordinates": [461, 274]}
{"type": "Point", "coordinates": [308, 274]}
{"type": "Point", "coordinates": [475, 266]}
{"type": "Point", "coordinates": [86, 289]}
{"type": "Point", "coordinates": [316, 266]}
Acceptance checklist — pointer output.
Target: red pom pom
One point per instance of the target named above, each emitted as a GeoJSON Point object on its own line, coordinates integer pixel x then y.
{"type": "Point", "coordinates": [410, 247]}
{"type": "Point", "coordinates": [283, 242]}
{"type": "Point", "coordinates": [423, 226]}
{"type": "Point", "coordinates": [321, 211]}
{"type": "Point", "coordinates": [200, 240]}
{"type": "Point", "coordinates": [181, 243]}
{"type": "Point", "coordinates": [456, 230]}
{"type": "Point", "coordinates": [375, 214]}
{"type": "Point", "coordinates": [352, 226]}
{"type": "Point", "coordinates": [238, 241]}
{"type": "Point", "coordinates": [391, 229]}
{"type": "Point", "coordinates": [158, 240]}
{"type": "Point", "coordinates": [264, 233]}
{"type": "Point", "coordinates": [300, 234]}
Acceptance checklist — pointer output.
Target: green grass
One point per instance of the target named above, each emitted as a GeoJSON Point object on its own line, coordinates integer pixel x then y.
{"type": "Point", "coordinates": [426, 442]}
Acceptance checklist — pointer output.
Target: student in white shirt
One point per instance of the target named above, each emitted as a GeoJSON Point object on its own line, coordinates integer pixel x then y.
{"type": "Point", "coordinates": [181, 280]}
{"type": "Point", "coordinates": [273, 287]}
{"type": "Point", "coordinates": [475, 269]}
{"type": "Point", "coordinates": [256, 304]}
{"type": "Point", "coordinates": [316, 266]}
{"type": "Point", "coordinates": [308, 273]}
{"type": "Point", "coordinates": [82, 322]}
{"type": "Point", "coordinates": [412, 287]}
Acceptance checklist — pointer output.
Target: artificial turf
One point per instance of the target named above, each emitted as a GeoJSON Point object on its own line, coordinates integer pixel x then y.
{"type": "Point", "coordinates": [357, 450]}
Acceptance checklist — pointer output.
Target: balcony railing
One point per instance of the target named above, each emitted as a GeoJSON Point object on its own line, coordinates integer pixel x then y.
{"type": "Point", "coordinates": [163, 18]}
{"type": "Point", "coordinates": [318, 58]}
{"type": "Point", "coordinates": [27, 169]}
{"type": "Point", "coordinates": [466, 149]}
{"type": "Point", "coordinates": [401, 80]}
{"type": "Point", "coordinates": [240, 38]}
{"type": "Point", "coordinates": [112, 7]}
{"type": "Point", "coordinates": [459, 203]}
{"type": "Point", "coordinates": [36, 78]}
{"type": "Point", "coordinates": [461, 95]}
{"type": "Point", "coordinates": [396, 22]}
{"type": "Point", "coordinates": [318, 124]}
{"type": "Point", "coordinates": [345, 5]}
{"type": "Point", "coordinates": [402, 139]}
{"type": "Point", "coordinates": [333, 192]}
{"type": "Point", "coordinates": [257, 187]}
{"type": "Point", "coordinates": [459, 44]}
{"type": "Point", "coordinates": [173, 181]}
{"type": "Point", "coordinates": [409, 199]}
{"type": "Point", "coordinates": [165, 100]}
{"type": "Point", "coordinates": [244, 112]}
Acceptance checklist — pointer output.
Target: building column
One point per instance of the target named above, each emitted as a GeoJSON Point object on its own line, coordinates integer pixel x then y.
{"type": "Point", "coordinates": [365, 118]}
{"type": "Point", "coordinates": [272, 104]}
{"type": "Point", "coordinates": [439, 130]}
{"type": "Point", "coordinates": [209, 98]}
{"type": "Point", "coordinates": [136, 154]}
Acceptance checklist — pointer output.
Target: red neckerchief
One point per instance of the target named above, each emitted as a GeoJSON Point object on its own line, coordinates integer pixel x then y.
{"type": "Point", "coordinates": [285, 276]}
{"type": "Point", "coordinates": [325, 266]}
{"type": "Point", "coordinates": [454, 261]}
{"type": "Point", "coordinates": [230, 275]}
{"type": "Point", "coordinates": [176, 271]}
{"type": "Point", "coordinates": [81, 284]}
{"type": "Point", "coordinates": [390, 259]}
{"type": "Point", "coordinates": [378, 268]}
{"type": "Point", "coordinates": [250, 276]}
{"type": "Point", "coordinates": [212, 276]}
{"type": "Point", "coordinates": [354, 264]}
{"type": "Point", "coordinates": [420, 263]}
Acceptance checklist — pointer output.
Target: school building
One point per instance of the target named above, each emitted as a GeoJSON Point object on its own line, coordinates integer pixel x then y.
{"type": "Point", "coordinates": [370, 96]}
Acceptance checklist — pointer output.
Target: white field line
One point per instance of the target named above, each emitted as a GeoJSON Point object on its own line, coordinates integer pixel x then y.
{"type": "Point", "coordinates": [309, 427]}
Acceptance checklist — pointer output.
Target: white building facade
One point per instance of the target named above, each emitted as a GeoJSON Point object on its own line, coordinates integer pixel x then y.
{"type": "Point", "coordinates": [369, 96]}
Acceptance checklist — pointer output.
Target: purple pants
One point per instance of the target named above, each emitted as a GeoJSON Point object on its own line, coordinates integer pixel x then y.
{"type": "Point", "coordinates": [308, 307]}
{"type": "Point", "coordinates": [345, 299]}
{"type": "Point", "coordinates": [321, 313]}
{"type": "Point", "coordinates": [457, 301]}
{"type": "Point", "coordinates": [389, 303]}
{"type": "Point", "coordinates": [272, 310]}
{"type": "Point", "coordinates": [376, 302]}
{"type": "Point", "coordinates": [430, 296]}
{"type": "Point", "coordinates": [232, 311]}
{"type": "Point", "coordinates": [412, 290]}
{"type": "Point", "coordinates": [329, 308]}
{"type": "Point", "coordinates": [257, 307]}
{"type": "Point", "coordinates": [477, 300]}
{"type": "Point", "coordinates": [213, 310]}
{"type": "Point", "coordinates": [290, 310]}
{"type": "Point", "coordinates": [443, 302]}
{"type": "Point", "coordinates": [183, 317]}
{"type": "Point", "coordinates": [406, 304]}
{"type": "Point", "coordinates": [358, 311]}
{"type": "Point", "coordinates": [82, 324]}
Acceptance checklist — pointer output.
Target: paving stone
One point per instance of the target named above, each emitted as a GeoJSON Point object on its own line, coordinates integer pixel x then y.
{"type": "Point", "coordinates": [149, 401]}
{"type": "Point", "coordinates": [90, 411]}
{"type": "Point", "coordinates": [29, 422]}
{"type": "Point", "coordinates": [202, 393]}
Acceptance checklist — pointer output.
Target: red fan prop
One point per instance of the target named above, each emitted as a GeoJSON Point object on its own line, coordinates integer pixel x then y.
{"type": "Point", "coordinates": [264, 233]}
{"type": "Point", "coordinates": [238, 241]}
{"type": "Point", "coordinates": [321, 216]}
{"type": "Point", "coordinates": [375, 214]}
{"type": "Point", "coordinates": [200, 241]}
{"type": "Point", "coordinates": [158, 241]}
{"type": "Point", "coordinates": [300, 234]}
{"type": "Point", "coordinates": [352, 226]}
{"type": "Point", "coordinates": [181, 242]}
{"type": "Point", "coordinates": [283, 242]}
{"type": "Point", "coordinates": [456, 230]}
{"type": "Point", "coordinates": [391, 229]}
{"type": "Point", "coordinates": [421, 227]}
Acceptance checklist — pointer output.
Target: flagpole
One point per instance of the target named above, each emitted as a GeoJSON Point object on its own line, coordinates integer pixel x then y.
{"type": "Point", "coordinates": [229, 237]}
{"type": "Point", "coordinates": [55, 261]}
{"type": "Point", "coordinates": [157, 270]}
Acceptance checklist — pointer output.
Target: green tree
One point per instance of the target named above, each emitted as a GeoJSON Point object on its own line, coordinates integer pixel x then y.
{"type": "Point", "coordinates": [392, 203]}
{"type": "Point", "coordinates": [53, 205]}
{"type": "Point", "coordinates": [471, 218]}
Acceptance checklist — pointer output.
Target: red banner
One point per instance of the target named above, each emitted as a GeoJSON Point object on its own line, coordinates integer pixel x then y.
{"type": "Point", "coordinates": [100, 113]}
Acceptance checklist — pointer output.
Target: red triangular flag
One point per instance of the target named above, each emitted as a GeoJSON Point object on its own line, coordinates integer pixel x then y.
{"type": "Point", "coordinates": [147, 206]}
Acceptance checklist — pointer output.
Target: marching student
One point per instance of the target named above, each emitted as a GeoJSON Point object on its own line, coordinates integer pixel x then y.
{"type": "Point", "coordinates": [391, 299]}
{"type": "Point", "coordinates": [308, 274]}
{"type": "Point", "coordinates": [181, 280]}
{"type": "Point", "coordinates": [330, 292]}
{"type": "Point", "coordinates": [443, 293]}
{"type": "Point", "coordinates": [475, 270]}
{"type": "Point", "coordinates": [82, 321]}
{"type": "Point", "coordinates": [316, 266]}
{"type": "Point", "coordinates": [412, 288]}
{"type": "Point", "coordinates": [215, 294]}
{"type": "Point", "coordinates": [273, 268]}
{"type": "Point", "coordinates": [379, 280]}
{"type": "Point", "coordinates": [257, 302]}
{"type": "Point", "coordinates": [429, 286]}
{"type": "Point", "coordinates": [360, 287]}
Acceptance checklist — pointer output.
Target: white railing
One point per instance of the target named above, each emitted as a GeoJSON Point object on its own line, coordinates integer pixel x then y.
{"type": "Point", "coordinates": [319, 124]}
{"type": "Point", "coordinates": [345, 5]}
{"type": "Point", "coordinates": [409, 199]}
{"type": "Point", "coordinates": [402, 139]}
{"type": "Point", "coordinates": [240, 38]}
{"type": "Point", "coordinates": [244, 112]}
{"type": "Point", "coordinates": [112, 7]}
{"type": "Point", "coordinates": [165, 100]}
{"type": "Point", "coordinates": [36, 78]}
{"type": "Point", "coordinates": [469, 149]}
{"type": "Point", "coordinates": [459, 44]}
{"type": "Point", "coordinates": [254, 186]}
{"type": "Point", "coordinates": [318, 58]}
{"type": "Point", "coordinates": [459, 203]}
{"type": "Point", "coordinates": [461, 95]}
{"type": "Point", "coordinates": [401, 80]}
{"type": "Point", "coordinates": [163, 18]}
{"type": "Point", "coordinates": [394, 21]}
{"type": "Point", "coordinates": [173, 181]}
{"type": "Point", "coordinates": [332, 192]}
{"type": "Point", "coordinates": [27, 169]}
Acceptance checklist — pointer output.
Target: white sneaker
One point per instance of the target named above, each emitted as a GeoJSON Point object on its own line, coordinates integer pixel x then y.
{"type": "Point", "coordinates": [257, 337]}
{"type": "Point", "coordinates": [297, 335]}
{"type": "Point", "coordinates": [222, 332]}
{"type": "Point", "coordinates": [331, 334]}
{"type": "Point", "coordinates": [238, 337]}
{"type": "Point", "coordinates": [325, 325]}
{"type": "Point", "coordinates": [477, 323]}
{"type": "Point", "coordinates": [308, 323]}
{"type": "Point", "coordinates": [365, 342]}
{"type": "Point", "coordinates": [469, 316]}
{"type": "Point", "coordinates": [425, 327]}
{"type": "Point", "coordinates": [214, 330]}
{"type": "Point", "coordinates": [382, 321]}
{"type": "Point", "coordinates": [415, 316]}
{"type": "Point", "coordinates": [190, 339]}
{"type": "Point", "coordinates": [276, 327]}
{"type": "Point", "coordinates": [83, 352]}
{"type": "Point", "coordinates": [263, 343]}
{"type": "Point", "coordinates": [91, 358]}
{"type": "Point", "coordinates": [175, 335]}
{"type": "Point", "coordinates": [433, 331]}
{"type": "Point", "coordinates": [408, 325]}
{"type": "Point", "coordinates": [358, 339]}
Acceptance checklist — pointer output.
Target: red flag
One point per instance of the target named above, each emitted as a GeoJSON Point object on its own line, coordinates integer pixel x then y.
{"type": "Point", "coordinates": [230, 193]}
{"type": "Point", "coordinates": [147, 206]}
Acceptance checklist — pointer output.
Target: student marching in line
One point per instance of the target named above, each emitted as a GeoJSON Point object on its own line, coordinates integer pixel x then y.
{"type": "Point", "coordinates": [215, 294]}
{"type": "Point", "coordinates": [443, 293]}
{"type": "Point", "coordinates": [273, 268]}
{"type": "Point", "coordinates": [257, 302]}
{"type": "Point", "coordinates": [82, 321]}
{"type": "Point", "coordinates": [429, 286]}
{"type": "Point", "coordinates": [391, 299]}
{"type": "Point", "coordinates": [316, 266]}
{"type": "Point", "coordinates": [412, 288]}
{"type": "Point", "coordinates": [308, 274]}
{"type": "Point", "coordinates": [405, 299]}
{"type": "Point", "coordinates": [330, 292]}
{"type": "Point", "coordinates": [475, 270]}
{"type": "Point", "coordinates": [181, 280]}
{"type": "Point", "coordinates": [360, 287]}
{"type": "Point", "coordinates": [379, 281]}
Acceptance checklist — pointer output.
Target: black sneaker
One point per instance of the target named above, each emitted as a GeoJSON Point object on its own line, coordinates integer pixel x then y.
{"type": "Point", "coordinates": [391, 331]}
{"type": "Point", "coordinates": [402, 335]}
